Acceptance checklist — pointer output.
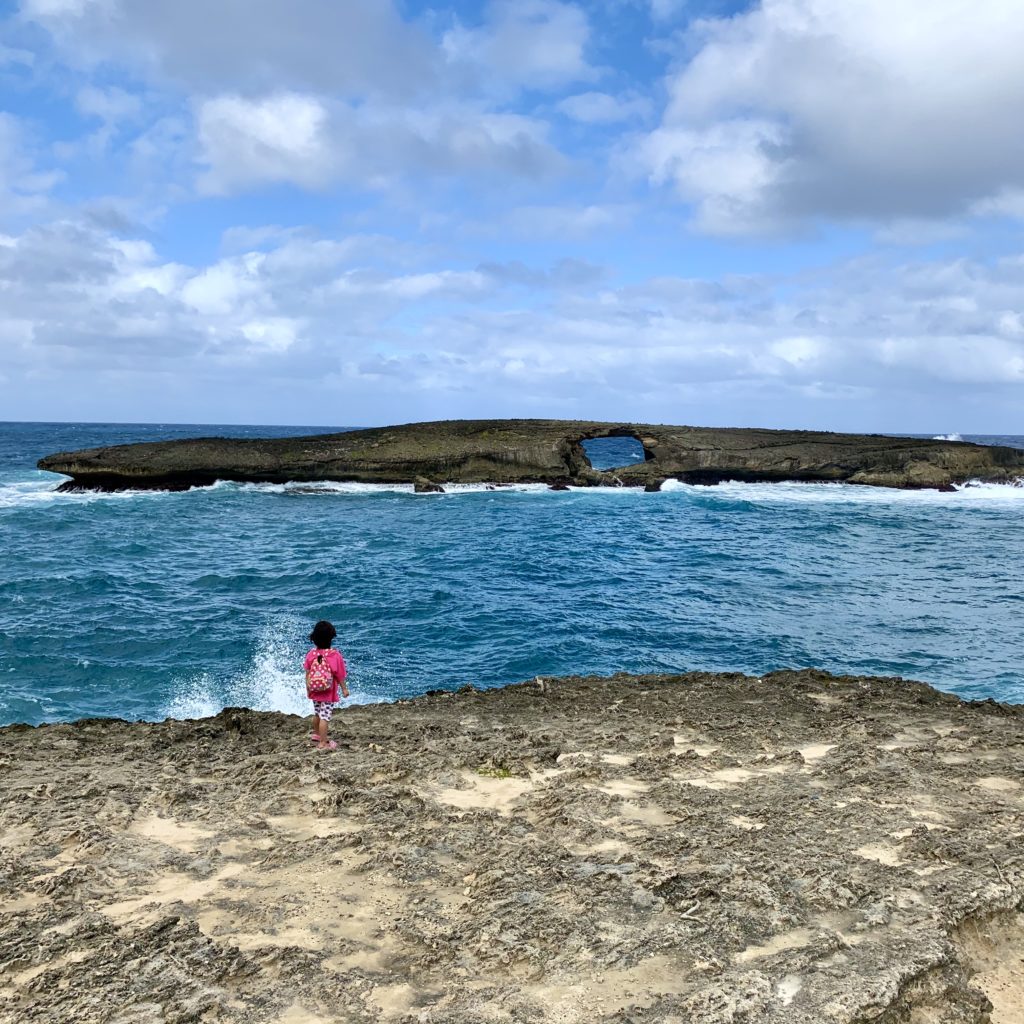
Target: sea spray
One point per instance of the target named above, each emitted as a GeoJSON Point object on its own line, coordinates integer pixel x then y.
{"type": "Point", "coordinates": [272, 680]}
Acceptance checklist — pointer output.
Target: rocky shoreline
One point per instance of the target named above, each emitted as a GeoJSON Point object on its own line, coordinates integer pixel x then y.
{"type": "Point", "coordinates": [429, 455]}
{"type": "Point", "coordinates": [701, 848]}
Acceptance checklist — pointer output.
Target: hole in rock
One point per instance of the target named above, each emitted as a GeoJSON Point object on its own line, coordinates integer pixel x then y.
{"type": "Point", "coordinates": [613, 452]}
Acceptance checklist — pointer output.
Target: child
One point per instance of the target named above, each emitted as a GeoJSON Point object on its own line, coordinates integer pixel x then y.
{"type": "Point", "coordinates": [324, 665]}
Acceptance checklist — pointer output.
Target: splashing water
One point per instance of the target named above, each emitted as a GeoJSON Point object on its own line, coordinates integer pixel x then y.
{"type": "Point", "coordinates": [273, 680]}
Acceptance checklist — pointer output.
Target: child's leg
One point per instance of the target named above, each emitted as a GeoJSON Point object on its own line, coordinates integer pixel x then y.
{"type": "Point", "coordinates": [325, 718]}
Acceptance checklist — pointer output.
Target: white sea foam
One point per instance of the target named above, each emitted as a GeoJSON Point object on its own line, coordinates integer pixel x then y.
{"type": "Point", "coordinates": [334, 487]}
{"type": "Point", "coordinates": [495, 488]}
{"type": "Point", "coordinates": [607, 490]}
{"type": "Point", "coordinates": [317, 487]}
{"type": "Point", "coordinates": [41, 489]}
{"type": "Point", "coordinates": [947, 437]}
{"type": "Point", "coordinates": [272, 681]}
{"type": "Point", "coordinates": [973, 492]}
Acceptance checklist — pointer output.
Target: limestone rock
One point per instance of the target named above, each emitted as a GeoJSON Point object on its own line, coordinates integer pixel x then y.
{"type": "Point", "coordinates": [798, 848]}
{"type": "Point", "coordinates": [421, 485]}
{"type": "Point", "coordinates": [540, 451]}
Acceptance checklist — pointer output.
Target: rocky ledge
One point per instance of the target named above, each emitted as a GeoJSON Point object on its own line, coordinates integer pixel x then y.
{"type": "Point", "coordinates": [799, 848]}
{"type": "Point", "coordinates": [539, 451]}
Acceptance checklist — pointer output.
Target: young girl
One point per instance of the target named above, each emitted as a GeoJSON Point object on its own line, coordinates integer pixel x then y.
{"type": "Point", "coordinates": [319, 658]}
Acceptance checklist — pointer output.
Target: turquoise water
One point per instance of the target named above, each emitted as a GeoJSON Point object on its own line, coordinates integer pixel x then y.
{"type": "Point", "coordinates": [154, 604]}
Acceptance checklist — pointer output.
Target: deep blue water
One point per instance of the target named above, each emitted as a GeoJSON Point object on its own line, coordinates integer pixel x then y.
{"type": "Point", "coordinates": [152, 605]}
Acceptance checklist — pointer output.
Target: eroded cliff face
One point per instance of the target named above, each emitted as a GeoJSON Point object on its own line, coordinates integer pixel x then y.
{"type": "Point", "coordinates": [540, 451]}
{"type": "Point", "coordinates": [795, 849]}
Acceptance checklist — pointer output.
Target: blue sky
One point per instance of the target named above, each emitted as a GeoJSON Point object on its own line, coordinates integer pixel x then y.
{"type": "Point", "coordinates": [799, 213]}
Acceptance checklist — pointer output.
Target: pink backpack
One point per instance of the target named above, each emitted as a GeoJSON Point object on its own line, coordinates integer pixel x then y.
{"type": "Point", "coordinates": [319, 677]}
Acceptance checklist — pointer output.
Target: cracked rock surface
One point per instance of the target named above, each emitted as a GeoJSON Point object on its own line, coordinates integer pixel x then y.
{"type": "Point", "coordinates": [700, 848]}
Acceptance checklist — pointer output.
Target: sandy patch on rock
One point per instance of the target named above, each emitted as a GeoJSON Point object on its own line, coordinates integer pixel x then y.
{"type": "Point", "coordinates": [887, 855]}
{"type": "Point", "coordinates": [628, 789]}
{"type": "Point", "coordinates": [296, 1014]}
{"type": "Point", "coordinates": [645, 814]}
{"type": "Point", "coordinates": [798, 938]}
{"type": "Point", "coordinates": [745, 823]}
{"type": "Point", "coordinates": [815, 751]}
{"type": "Point", "coordinates": [169, 832]}
{"type": "Point", "coordinates": [998, 784]}
{"type": "Point", "coordinates": [612, 847]}
{"type": "Point", "coordinates": [995, 950]}
{"type": "Point", "coordinates": [691, 740]}
{"type": "Point", "coordinates": [484, 793]}
{"type": "Point", "coordinates": [617, 760]}
{"type": "Point", "coordinates": [307, 826]}
{"type": "Point", "coordinates": [173, 887]}
{"type": "Point", "coordinates": [724, 778]}
{"type": "Point", "coordinates": [728, 778]}
{"type": "Point", "coordinates": [21, 902]}
{"type": "Point", "coordinates": [612, 991]}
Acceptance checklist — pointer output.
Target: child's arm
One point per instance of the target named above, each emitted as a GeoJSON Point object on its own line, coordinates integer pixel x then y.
{"type": "Point", "coordinates": [342, 674]}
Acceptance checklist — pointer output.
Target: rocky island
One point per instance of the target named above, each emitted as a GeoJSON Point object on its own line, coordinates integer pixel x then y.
{"type": "Point", "coordinates": [717, 849]}
{"type": "Point", "coordinates": [430, 455]}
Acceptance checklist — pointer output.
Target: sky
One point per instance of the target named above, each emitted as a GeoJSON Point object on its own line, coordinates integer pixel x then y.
{"type": "Point", "coordinates": [791, 213]}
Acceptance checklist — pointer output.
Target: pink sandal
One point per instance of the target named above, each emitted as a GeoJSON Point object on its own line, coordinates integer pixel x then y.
{"type": "Point", "coordinates": [331, 745]}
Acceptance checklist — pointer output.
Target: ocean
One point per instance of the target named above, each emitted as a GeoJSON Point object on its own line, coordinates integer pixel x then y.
{"type": "Point", "coordinates": [153, 605]}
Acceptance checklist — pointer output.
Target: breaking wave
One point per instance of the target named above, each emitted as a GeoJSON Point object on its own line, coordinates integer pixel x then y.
{"type": "Point", "coordinates": [849, 494]}
{"type": "Point", "coordinates": [271, 681]}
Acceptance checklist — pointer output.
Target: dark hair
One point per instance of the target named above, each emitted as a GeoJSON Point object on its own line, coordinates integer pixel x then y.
{"type": "Point", "coordinates": [322, 635]}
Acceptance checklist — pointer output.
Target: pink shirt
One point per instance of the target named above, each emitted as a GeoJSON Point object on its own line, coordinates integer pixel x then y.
{"type": "Point", "coordinates": [338, 670]}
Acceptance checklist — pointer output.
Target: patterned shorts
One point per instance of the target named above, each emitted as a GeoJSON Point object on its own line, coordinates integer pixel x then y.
{"type": "Point", "coordinates": [324, 709]}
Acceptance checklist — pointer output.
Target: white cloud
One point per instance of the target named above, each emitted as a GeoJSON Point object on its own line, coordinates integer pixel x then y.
{"type": "Point", "coordinates": [225, 286]}
{"type": "Point", "coordinates": [663, 10]}
{"type": "Point", "coordinates": [414, 287]}
{"type": "Point", "coordinates": [913, 231]}
{"type": "Point", "coordinates": [872, 109]}
{"type": "Point", "coordinates": [800, 351]}
{"type": "Point", "coordinates": [565, 220]}
{"type": "Point", "coordinates": [10, 55]}
{"type": "Point", "coordinates": [59, 8]}
{"type": "Point", "coordinates": [354, 47]}
{"type": "Point", "coordinates": [726, 168]}
{"type": "Point", "coordinates": [1007, 203]}
{"type": "Point", "coordinates": [314, 93]}
{"type": "Point", "coordinates": [301, 139]}
{"type": "Point", "coordinates": [110, 105]}
{"type": "Point", "coordinates": [534, 44]}
{"type": "Point", "coordinates": [867, 335]}
{"type": "Point", "coordinates": [280, 138]}
{"type": "Point", "coordinates": [23, 186]}
{"type": "Point", "coordinates": [603, 108]}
